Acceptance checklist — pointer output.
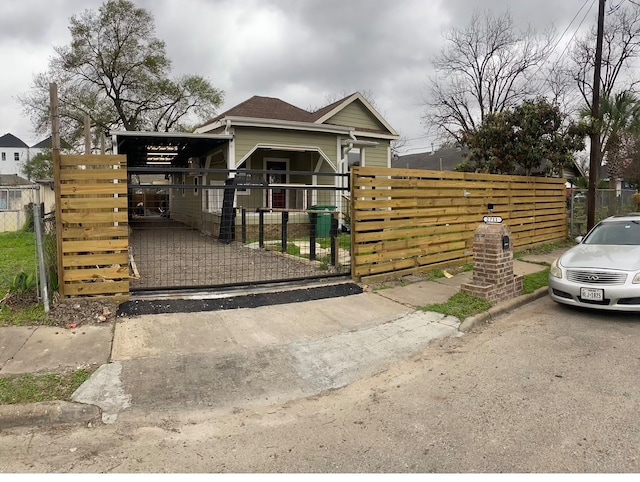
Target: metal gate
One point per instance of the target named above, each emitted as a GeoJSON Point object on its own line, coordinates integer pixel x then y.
{"type": "Point", "coordinates": [204, 228]}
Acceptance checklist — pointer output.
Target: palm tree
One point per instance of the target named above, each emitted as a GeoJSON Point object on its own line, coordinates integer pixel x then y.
{"type": "Point", "coordinates": [620, 123]}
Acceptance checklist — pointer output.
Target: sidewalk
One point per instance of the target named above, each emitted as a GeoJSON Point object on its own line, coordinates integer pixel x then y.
{"type": "Point", "coordinates": [240, 357]}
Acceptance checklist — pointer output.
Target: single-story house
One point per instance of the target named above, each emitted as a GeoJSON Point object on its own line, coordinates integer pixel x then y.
{"type": "Point", "coordinates": [262, 134]}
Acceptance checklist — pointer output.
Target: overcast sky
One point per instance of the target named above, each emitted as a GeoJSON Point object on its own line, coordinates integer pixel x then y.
{"type": "Point", "coordinates": [300, 51]}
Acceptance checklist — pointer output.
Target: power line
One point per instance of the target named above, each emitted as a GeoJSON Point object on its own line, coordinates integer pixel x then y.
{"type": "Point", "coordinates": [565, 31]}
{"type": "Point", "coordinates": [580, 25]}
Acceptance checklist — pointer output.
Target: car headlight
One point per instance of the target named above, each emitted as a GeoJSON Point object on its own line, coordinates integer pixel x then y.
{"type": "Point", "coordinates": [636, 279]}
{"type": "Point", "coordinates": [556, 272]}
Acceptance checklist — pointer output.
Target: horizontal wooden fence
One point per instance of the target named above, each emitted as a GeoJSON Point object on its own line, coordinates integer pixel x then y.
{"type": "Point", "coordinates": [408, 221]}
{"type": "Point", "coordinates": [92, 226]}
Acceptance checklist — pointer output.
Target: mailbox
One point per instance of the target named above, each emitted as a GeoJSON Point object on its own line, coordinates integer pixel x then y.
{"type": "Point", "coordinates": [506, 243]}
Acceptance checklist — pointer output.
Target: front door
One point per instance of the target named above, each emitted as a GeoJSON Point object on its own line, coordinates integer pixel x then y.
{"type": "Point", "coordinates": [276, 197]}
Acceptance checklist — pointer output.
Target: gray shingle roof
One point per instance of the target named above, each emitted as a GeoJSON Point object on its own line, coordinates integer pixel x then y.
{"type": "Point", "coordinates": [267, 108]}
{"type": "Point", "coordinates": [441, 160]}
{"type": "Point", "coordinates": [9, 140]}
{"type": "Point", "coordinates": [13, 180]}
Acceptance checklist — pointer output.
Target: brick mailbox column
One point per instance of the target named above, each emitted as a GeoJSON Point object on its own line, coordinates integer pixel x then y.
{"type": "Point", "coordinates": [493, 277]}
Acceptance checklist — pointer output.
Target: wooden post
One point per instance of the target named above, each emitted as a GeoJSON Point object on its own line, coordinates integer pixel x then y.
{"type": "Point", "coordinates": [87, 135]}
{"type": "Point", "coordinates": [55, 148]}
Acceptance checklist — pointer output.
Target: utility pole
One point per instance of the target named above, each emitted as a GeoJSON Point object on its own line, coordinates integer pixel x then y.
{"type": "Point", "coordinates": [595, 161]}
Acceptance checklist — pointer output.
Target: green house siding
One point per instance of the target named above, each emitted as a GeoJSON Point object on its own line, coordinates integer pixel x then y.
{"type": "Point", "coordinates": [356, 115]}
{"type": "Point", "coordinates": [377, 156]}
{"type": "Point", "coordinates": [246, 139]}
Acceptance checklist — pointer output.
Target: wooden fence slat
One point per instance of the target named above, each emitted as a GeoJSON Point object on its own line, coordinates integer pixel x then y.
{"type": "Point", "coordinates": [74, 161]}
{"type": "Point", "coordinates": [71, 260]}
{"type": "Point", "coordinates": [84, 189]}
{"type": "Point", "coordinates": [95, 245]}
{"type": "Point", "coordinates": [93, 174]}
{"type": "Point", "coordinates": [117, 273]}
{"type": "Point", "coordinates": [109, 202]}
{"type": "Point", "coordinates": [95, 232]}
{"type": "Point", "coordinates": [95, 217]}
{"type": "Point", "coordinates": [97, 288]}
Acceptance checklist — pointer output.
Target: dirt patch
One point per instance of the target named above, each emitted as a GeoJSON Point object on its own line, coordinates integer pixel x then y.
{"type": "Point", "coordinates": [70, 312]}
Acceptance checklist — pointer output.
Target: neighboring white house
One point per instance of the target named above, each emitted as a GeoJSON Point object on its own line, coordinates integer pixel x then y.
{"type": "Point", "coordinates": [13, 154]}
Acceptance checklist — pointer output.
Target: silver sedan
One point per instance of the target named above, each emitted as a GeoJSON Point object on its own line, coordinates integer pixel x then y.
{"type": "Point", "coordinates": [603, 271]}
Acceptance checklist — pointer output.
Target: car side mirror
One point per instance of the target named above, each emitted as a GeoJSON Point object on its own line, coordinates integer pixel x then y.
{"type": "Point", "coordinates": [579, 239]}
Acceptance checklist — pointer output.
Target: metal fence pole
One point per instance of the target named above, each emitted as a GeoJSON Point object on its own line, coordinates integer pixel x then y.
{"type": "Point", "coordinates": [37, 224]}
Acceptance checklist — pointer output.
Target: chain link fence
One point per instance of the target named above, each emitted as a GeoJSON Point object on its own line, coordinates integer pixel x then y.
{"type": "Point", "coordinates": [609, 202]}
{"type": "Point", "coordinates": [18, 246]}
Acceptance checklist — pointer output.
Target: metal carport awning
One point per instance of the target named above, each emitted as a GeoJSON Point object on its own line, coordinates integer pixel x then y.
{"type": "Point", "coordinates": [168, 149]}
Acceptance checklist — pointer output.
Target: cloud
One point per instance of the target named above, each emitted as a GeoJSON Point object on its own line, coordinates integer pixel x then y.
{"type": "Point", "coordinates": [299, 51]}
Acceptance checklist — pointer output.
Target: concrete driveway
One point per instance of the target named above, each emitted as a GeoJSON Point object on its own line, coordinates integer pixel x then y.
{"type": "Point", "coordinates": [543, 389]}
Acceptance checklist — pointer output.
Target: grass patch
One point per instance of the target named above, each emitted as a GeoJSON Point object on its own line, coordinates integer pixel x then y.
{"type": "Point", "coordinates": [41, 388]}
{"type": "Point", "coordinates": [24, 316]}
{"type": "Point", "coordinates": [533, 282]}
{"type": "Point", "coordinates": [17, 253]}
{"type": "Point", "coordinates": [344, 242]}
{"type": "Point", "coordinates": [461, 305]}
{"type": "Point", "coordinates": [434, 275]}
{"type": "Point", "coordinates": [545, 248]}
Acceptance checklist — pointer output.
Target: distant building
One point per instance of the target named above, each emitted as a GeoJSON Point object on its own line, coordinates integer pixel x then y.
{"type": "Point", "coordinates": [14, 153]}
{"type": "Point", "coordinates": [447, 158]}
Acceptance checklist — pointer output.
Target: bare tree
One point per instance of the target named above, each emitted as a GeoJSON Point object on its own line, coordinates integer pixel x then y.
{"type": "Point", "coordinates": [621, 46]}
{"type": "Point", "coordinates": [485, 67]}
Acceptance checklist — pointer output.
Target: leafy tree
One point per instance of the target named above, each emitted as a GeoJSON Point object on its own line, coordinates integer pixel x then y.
{"type": "Point", "coordinates": [484, 68]}
{"type": "Point", "coordinates": [631, 165]}
{"type": "Point", "coordinates": [532, 137]}
{"type": "Point", "coordinates": [116, 71]}
{"type": "Point", "coordinates": [39, 166]}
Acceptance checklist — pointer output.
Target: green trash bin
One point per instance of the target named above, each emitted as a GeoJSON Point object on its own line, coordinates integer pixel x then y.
{"type": "Point", "coordinates": [323, 220]}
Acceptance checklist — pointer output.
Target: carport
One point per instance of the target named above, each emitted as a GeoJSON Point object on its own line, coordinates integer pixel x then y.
{"type": "Point", "coordinates": [175, 243]}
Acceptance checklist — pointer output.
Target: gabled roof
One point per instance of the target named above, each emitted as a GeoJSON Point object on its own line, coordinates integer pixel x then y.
{"type": "Point", "coordinates": [13, 180]}
{"type": "Point", "coordinates": [266, 108]}
{"type": "Point", "coordinates": [48, 144]}
{"type": "Point", "coordinates": [326, 113]}
{"type": "Point", "coordinates": [9, 140]}
{"type": "Point", "coordinates": [271, 108]}
{"type": "Point", "coordinates": [43, 144]}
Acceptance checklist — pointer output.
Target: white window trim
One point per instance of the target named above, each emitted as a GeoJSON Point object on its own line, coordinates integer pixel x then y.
{"type": "Point", "coordinates": [6, 197]}
{"type": "Point", "coordinates": [214, 194]}
{"type": "Point", "coordinates": [244, 192]}
{"type": "Point", "coordinates": [286, 181]}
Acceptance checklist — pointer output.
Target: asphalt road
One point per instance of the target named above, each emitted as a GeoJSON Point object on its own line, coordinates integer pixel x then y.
{"type": "Point", "coordinates": [543, 389]}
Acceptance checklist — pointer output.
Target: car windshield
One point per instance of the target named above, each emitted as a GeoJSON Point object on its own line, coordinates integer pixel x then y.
{"type": "Point", "coordinates": [615, 232]}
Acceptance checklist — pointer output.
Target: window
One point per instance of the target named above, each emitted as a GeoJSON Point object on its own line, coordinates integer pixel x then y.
{"type": "Point", "coordinates": [354, 158]}
{"type": "Point", "coordinates": [243, 178]}
{"type": "Point", "coordinates": [16, 156]}
{"type": "Point", "coordinates": [4, 200]}
{"type": "Point", "coordinates": [214, 197]}
{"type": "Point", "coordinates": [4, 156]}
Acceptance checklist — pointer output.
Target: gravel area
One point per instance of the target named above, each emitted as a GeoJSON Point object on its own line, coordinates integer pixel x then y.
{"type": "Point", "coordinates": [175, 256]}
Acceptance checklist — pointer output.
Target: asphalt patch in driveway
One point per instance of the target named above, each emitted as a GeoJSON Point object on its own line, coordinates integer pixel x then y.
{"type": "Point", "coordinates": [154, 307]}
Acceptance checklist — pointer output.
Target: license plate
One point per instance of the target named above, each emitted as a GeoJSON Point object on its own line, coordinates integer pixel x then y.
{"type": "Point", "coordinates": [592, 294]}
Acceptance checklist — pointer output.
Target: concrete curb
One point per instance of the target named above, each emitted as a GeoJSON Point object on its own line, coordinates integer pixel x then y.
{"type": "Point", "coordinates": [48, 413]}
{"type": "Point", "coordinates": [501, 308]}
